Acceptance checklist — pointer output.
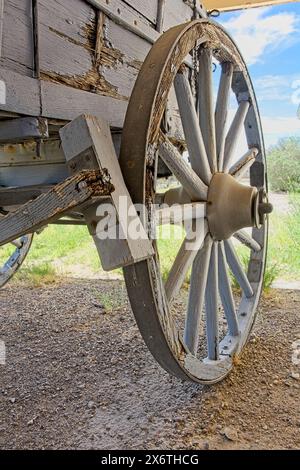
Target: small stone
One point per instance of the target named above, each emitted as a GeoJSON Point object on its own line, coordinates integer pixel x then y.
{"type": "Point", "coordinates": [101, 306]}
{"type": "Point", "coordinates": [230, 433]}
{"type": "Point", "coordinates": [295, 375]}
{"type": "Point", "coordinates": [30, 422]}
{"type": "Point", "coordinates": [205, 445]}
{"type": "Point", "coordinates": [12, 400]}
{"type": "Point", "coordinates": [91, 404]}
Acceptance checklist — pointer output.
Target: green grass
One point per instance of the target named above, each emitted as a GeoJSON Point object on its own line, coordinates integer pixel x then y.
{"type": "Point", "coordinates": [284, 241]}
{"type": "Point", "coordinates": [62, 250]}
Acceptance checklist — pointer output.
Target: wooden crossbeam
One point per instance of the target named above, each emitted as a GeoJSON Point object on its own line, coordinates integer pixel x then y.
{"type": "Point", "coordinates": [51, 205]}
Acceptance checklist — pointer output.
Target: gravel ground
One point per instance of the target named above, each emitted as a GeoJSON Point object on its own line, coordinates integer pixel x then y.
{"type": "Point", "coordinates": [79, 376]}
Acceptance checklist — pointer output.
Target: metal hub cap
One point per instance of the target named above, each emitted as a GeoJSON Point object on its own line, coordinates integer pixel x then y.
{"type": "Point", "coordinates": [230, 206]}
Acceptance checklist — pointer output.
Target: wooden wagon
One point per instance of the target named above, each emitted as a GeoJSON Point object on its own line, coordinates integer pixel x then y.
{"type": "Point", "coordinates": [102, 100]}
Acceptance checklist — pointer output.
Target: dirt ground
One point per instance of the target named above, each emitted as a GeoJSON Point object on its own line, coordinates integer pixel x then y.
{"type": "Point", "coordinates": [78, 376]}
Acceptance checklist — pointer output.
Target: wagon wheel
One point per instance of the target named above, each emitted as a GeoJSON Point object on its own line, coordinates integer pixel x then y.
{"type": "Point", "coordinates": [195, 346]}
{"type": "Point", "coordinates": [12, 255]}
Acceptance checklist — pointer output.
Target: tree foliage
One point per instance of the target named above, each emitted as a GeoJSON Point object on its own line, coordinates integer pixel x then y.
{"type": "Point", "coordinates": [284, 165]}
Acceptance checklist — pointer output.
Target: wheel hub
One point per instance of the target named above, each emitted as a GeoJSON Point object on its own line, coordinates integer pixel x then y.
{"type": "Point", "coordinates": [232, 206]}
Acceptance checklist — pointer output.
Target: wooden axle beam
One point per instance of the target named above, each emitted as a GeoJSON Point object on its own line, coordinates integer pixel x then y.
{"type": "Point", "coordinates": [63, 197]}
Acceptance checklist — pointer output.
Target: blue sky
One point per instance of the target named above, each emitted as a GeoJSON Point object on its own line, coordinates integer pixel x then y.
{"type": "Point", "coordinates": [269, 39]}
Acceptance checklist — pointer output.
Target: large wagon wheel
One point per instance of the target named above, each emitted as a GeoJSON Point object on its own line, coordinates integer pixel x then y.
{"type": "Point", "coordinates": [12, 255]}
{"type": "Point", "coordinates": [196, 348]}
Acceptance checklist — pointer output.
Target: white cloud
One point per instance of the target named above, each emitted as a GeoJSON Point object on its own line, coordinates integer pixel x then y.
{"type": "Point", "coordinates": [256, 31]}
{"type": "Point", "coordinates": [285, 88]}
{"type": "Point", "coordinates": [278, 125]}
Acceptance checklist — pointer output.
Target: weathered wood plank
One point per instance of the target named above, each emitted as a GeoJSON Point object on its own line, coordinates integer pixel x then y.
{"type": "Point", "coordinates": [22, 93]}
{"type": "Point", "coordinates": [18, 130]}
{"type": "Point", "coordinates": [124, 15]}
{"type": "Point", "coordinates": [17, 44]}
{"type": "Point", "coordinates": [121, 58]}
{"type": "Point", "coordinates": [145, 8]}
{"type": "Point", "coordinates": [63, 102]}
{"type": "Point", "coordinates": [51, 205]}
{"type": "Point", "coordinates": [1, 24]}
{"type": "Point", "coordinates": [176, 12]}
{"type": "Point", "coordinates": [69, 28]}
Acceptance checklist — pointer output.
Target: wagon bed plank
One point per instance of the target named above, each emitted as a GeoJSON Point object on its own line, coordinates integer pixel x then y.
{"type": "Point", "coordinates": [17, 38]}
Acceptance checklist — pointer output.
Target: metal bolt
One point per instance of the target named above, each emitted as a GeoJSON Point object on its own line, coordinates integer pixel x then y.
{"type": "Point", "coordinates": [82, 185]}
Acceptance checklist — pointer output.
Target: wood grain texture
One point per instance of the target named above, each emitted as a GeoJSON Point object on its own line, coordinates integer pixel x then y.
{"type": "Point", "coordinates": [1, 24]}
{"type": "Point", "coordinates": [17, 38]}
{"type": "Point", "coordinates": [53, 204]}
{"type": "Point", "coordinates": [145, 8]}
{"type": "Point", "coordinates": [21, 129]}
{"type": "Point", "coordinates": [22, 93]}
{"type": "Point", "coordinates": [63, 102]}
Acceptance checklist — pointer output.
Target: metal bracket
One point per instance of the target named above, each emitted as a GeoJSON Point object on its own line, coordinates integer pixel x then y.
{"type": "Point", "coordinates": [87, 143]}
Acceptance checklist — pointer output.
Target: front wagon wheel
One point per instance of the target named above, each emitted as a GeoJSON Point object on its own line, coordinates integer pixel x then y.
{"type": "Point", "coordinates": [195, 334]}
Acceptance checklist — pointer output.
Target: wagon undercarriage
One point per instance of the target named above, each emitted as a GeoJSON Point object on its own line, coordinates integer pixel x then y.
{"type": "Point", "coordinates": [121, 141]}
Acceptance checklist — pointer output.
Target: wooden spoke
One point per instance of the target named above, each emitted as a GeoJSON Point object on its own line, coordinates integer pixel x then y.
{"type": "Point", "coordinates": [211, 306]}
{"type": "Point", "coordinates": [234, 133]}
{"type": "Point", "coordinates": [17, 243]}
{"type": "Point", "coordinates": [191, 182]}
{"type": "Point", "coordinates": [237, 269]}
{"type": "Point", "coordinates": [196, 295]}
{"type": "Point", "coordinates": [240, 168]}
{"type": "Point", "coordinates": [183, 262]}
{"type": "Point", "coordinates": [243, 237]}
{"type": "Point", "coordinates": [178, 214]}
{"type": "Point", "coordinates": [222, 110]}
{"type": "Point", "coordinates": [206, 111]}
{"type": "Point", "coordinates": [192, 132]}
{"type": "Point", "coordinates": [226, 293]}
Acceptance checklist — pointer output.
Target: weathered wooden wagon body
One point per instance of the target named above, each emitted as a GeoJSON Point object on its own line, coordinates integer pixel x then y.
{"type": "Point", "coordinates": [99, 100]}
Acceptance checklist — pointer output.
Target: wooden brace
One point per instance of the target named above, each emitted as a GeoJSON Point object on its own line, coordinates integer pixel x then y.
{"type": "Point", "coordinates": [87, 144]}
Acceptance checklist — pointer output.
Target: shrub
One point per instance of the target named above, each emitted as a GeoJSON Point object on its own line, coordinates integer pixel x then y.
{"type": "Point", "coordinates": [284, 165]}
